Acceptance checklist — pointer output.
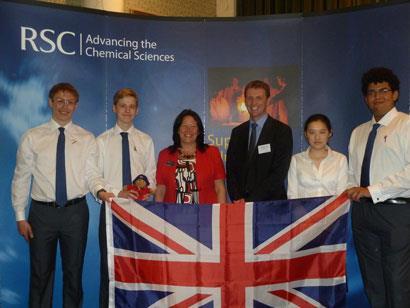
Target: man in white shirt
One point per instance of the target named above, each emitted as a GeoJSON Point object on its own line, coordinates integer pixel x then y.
{"type": "Point", "coordinates": [379, 177]}
{"type": "Point", "coordinates": [58, 159]}
{"type": "Point", "coordinates": [116, 172]}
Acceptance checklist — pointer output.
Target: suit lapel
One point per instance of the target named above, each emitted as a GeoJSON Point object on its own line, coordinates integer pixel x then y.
{"type": "Point", "coordinates": [243, 142]}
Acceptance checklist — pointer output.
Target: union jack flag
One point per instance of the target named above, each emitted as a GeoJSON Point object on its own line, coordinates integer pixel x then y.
{"type": "Point", "coordinates": [268, 254]}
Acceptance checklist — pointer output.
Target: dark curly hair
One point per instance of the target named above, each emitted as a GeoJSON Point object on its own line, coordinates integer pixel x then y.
{"type": "Point", "coordinates": [377, 75]}
{"type": "Point", "coordinates": [201, 146]}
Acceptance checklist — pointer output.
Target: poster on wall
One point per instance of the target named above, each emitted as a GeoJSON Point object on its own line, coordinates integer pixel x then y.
{"type": "Point", "coordinates": [226, 104]}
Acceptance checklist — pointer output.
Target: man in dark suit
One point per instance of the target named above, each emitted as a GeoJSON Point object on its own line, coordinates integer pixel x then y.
{"type": "Point", "coordinates": [259, 151]}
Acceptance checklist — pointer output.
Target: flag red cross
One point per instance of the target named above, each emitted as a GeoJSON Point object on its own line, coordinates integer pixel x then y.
{"type": "Point", "coordinates": [233, 274]}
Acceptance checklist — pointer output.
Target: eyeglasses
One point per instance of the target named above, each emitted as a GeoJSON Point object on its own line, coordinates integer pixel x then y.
{"type": "Point", "coordinates": [60, 102]}
{"type": "Point", "coordinates": [382, 91]}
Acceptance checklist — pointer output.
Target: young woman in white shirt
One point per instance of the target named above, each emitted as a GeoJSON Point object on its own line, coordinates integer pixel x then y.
{"type": "Point", "coordinates": [318, 171]}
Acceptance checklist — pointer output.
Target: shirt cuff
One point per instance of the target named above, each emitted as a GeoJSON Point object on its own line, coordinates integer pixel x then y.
{"type": "Point", "coordinates": [116, 192]}
{"type": "Point", "coordinates": [20, 215]}
{"type": "Point", "coordinates": [376, 193]}
{"type": "Point", "coordinates": [96, 190]}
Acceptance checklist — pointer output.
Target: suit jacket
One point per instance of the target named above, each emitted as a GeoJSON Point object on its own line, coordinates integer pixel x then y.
{"type": "Point", "coordinates": [259, 177]}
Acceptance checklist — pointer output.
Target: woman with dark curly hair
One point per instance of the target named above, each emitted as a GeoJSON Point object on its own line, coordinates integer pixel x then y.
{"type": "Point", "coordinates": [190, 171]}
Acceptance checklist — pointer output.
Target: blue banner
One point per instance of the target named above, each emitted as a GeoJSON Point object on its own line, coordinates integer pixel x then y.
{"type": "Point", "coordinates": [313, 64]}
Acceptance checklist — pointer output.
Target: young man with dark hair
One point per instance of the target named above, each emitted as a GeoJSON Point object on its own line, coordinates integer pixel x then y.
{"type": "Point", "coordinates": [379, 177]}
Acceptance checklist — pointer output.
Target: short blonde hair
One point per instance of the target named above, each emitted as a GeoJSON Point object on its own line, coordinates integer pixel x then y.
{"type": "Point", "coordinates": [124, 93]}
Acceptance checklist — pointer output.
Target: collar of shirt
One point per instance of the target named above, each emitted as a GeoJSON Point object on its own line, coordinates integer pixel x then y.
{"type": "Point", "coordinates": [53, 125]}
{"type": "Point", "coordinates": [260, 123]}
{"type": "Point", "coordinates": [387, 118]}
{"type": "Point", "coordinates": [118, 130]}
{"type": "Point", "coordinates": [305, 154]}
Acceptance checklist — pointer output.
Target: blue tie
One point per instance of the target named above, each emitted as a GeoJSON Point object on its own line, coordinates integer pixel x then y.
{"type": "Point", "coordinates": [252, 140]}
{"type": "Point", "coordinates": [126, 166]}
{"type": "Point", "coordinates": [365, 175]}
{"type": "Point", "coordinates": [61, 186]}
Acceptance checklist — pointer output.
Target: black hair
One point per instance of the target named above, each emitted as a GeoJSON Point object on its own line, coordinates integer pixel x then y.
{"type": "Point", "coordinates": [377, 75]}
{"type": "Point", "coordinates": [201, 146]}
{"type": "Point", "coordinates": [318, 117]}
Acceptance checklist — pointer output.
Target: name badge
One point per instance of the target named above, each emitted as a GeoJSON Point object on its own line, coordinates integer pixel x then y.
{"type": "Point", "coordinates": [264, 148]}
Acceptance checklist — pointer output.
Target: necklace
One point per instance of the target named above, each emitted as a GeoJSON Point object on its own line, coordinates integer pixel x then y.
{"type": "Point", "coordinates": [185, 154]}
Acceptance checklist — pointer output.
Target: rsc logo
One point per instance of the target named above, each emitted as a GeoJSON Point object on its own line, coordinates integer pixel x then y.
{"type": "Point", "coordinates": [47, 40]}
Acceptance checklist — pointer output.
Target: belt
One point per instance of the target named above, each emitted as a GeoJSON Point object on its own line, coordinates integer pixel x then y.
{"type": "Point", "coordinates": [67, 204]}
{"type": "Point", "coordinates": [395, 201]}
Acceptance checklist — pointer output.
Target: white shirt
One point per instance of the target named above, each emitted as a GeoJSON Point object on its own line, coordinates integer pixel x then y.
{"type": "Point", "coordinates": [305, 180]}
{"type": "Point", "coordinates": [36, 160]}
{"type": "Point", "coordinates": [142, 157]}
{"type": "Point", "coordinates": [390, 162]}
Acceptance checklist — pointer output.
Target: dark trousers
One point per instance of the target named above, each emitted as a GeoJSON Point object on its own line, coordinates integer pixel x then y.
{"type": "Point", "coordinates": [104, 281]}
{"type": "Point", "coordinates": [68, 227]}
{"type": "Point", "coordinates": [382, 239]}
